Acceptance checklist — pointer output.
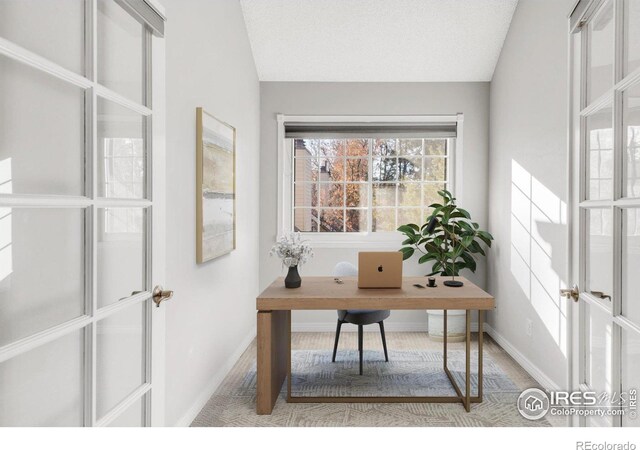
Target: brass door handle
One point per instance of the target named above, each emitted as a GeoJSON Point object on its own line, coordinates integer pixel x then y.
{"type": "Point", "coordinates": [160, 295]}
{"type": "Point", "coordinates": [601, 295]}
{"type": "Point", "coordinates": [573, 293]}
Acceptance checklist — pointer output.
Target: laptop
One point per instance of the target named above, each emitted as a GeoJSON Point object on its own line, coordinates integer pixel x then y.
{"type": "Point", "coordinates": [379, 270]}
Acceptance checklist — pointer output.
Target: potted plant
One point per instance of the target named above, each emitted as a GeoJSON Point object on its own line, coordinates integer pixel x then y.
{"type": "Point", "coordinates": [293, 252]}
{"type": "Point", "coordinates": [450, 240]}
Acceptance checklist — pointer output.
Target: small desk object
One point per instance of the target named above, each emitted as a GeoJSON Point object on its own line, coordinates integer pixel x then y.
{"type": "Point", "coordinates": [275, 304]}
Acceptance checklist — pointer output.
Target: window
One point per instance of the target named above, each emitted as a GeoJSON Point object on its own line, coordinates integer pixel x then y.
{"type": "Point", "coordinates": [361, 189]}
{"type": "Point", "coordinates": [600, 154]}
{"type": "Point", "coordinates": [123, 166]}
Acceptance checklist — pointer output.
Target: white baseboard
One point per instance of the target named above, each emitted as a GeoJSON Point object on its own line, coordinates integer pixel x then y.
{"type": "Point", "coordinates": [217, 378]}
{"type": "Point", "coordinates": [527, 365]}
{"type": "Point", "coordinates": [315, 327]}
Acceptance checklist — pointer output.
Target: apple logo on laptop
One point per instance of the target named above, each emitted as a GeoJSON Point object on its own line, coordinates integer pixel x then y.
{"type": "Point", "coordinates": [380, 268]}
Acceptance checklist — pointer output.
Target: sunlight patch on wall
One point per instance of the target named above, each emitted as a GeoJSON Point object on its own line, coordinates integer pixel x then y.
{"type": "Point", "coordinates": [538, 219]}
{"type": "Point", "coordinates": [520, 255]}
{"type": "Point", "coordinates": [6, 263]}
{"type": "Point", "coordinates": [5, 177]}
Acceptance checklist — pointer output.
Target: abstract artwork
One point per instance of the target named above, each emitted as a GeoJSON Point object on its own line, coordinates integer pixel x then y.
{"type": "Point", "coordinates": [216, 188]}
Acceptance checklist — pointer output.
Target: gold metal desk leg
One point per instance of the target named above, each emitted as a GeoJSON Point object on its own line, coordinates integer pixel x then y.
{"type": "Point", "coordinates": [480, 349]}
{"type": "Point", "coordinates": [465, 398]}
{"type": "Point", "coordinates": [444, 339]}
{"type": "Point", "coordinates": [289, 359]}
{"type": "Point", "coordinates": [467, 356]}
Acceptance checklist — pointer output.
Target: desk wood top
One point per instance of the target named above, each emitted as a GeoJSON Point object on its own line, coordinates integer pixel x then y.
{"type": "Point", "coordinates": [324, 293]}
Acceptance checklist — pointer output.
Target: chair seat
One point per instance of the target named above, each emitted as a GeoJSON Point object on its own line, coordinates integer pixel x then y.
{"type": "Point", "coordinates": [363, 316]}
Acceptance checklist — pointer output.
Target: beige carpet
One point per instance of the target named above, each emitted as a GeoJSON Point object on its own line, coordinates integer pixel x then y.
{"type": "Point", "coordinates": [233, 404]}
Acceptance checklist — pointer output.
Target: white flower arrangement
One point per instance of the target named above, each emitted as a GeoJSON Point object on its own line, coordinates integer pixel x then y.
{"type": "Point", "coordinates": [292, 250]}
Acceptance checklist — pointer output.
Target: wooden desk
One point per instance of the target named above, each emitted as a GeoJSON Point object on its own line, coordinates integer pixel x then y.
{"type": "Point", "coordinates": [275, 304]}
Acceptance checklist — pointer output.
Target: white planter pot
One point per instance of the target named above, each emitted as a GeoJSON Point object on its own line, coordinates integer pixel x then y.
{"type": "Point", "coordinates": [455, 325]}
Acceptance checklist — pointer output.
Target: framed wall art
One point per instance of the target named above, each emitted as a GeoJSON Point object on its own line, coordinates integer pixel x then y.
{"type": "Point", "coordinates": [215, 187]}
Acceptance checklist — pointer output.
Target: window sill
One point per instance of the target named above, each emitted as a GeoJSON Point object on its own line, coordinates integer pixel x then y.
{"type": "Point", "coordinates": [382, 241]}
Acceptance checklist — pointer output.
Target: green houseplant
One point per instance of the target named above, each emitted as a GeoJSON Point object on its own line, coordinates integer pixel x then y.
{"type": "Point", "coordinates": [449, 239]}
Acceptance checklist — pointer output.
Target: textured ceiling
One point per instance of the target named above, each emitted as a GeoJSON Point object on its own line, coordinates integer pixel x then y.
{"type": "Point", "coordinates": [377, 40]}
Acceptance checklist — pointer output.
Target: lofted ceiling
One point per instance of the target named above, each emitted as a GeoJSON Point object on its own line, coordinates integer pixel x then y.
{"type": "Point", "coordinates": [377, 40]}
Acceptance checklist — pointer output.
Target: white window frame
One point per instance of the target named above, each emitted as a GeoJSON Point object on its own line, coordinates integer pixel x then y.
{"type": "Point", "coordinates": [361, 239]}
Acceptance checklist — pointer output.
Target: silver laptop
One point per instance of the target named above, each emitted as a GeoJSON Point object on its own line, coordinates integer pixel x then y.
{"type": "Point", "coordinates": [379, 270]}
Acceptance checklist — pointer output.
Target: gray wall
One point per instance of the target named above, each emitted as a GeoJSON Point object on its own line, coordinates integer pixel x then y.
{"type": "Point", "coordinates": [212, 316]}
{"type": "Point", "coordinates": [472, 99]}
{"type": "Point", "coordinates": [528, 185]}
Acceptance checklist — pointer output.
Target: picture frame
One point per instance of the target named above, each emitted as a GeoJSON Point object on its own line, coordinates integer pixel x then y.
{"type": "Point", "coordinates": [215, 187]}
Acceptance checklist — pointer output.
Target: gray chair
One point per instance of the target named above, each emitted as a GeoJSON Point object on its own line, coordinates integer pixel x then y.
{"type": "Point", "coordinates": [358, 317]}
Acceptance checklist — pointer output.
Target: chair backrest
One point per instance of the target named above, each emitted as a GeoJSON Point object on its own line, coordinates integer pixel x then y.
{"type": "Point", "coordinates": [345, 269]}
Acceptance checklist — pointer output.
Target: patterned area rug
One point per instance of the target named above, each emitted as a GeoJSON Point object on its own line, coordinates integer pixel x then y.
{"type": "Point", "coordinates": [409, 372]}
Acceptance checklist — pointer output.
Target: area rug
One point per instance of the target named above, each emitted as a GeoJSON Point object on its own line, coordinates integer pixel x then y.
{"type": "Point", "coordinates": [409, 372]}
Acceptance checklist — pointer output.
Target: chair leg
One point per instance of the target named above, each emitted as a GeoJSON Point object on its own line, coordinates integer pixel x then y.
{"type": "Point", "coordinates": [384, 341]}
{"type": "Point", "coordinates": [360, 345]}
{"type": "Point", "coordinates": [335, 346]}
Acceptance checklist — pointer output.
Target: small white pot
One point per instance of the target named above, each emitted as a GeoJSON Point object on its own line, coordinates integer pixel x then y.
{"type": "Point", "coordinates": [455, 325]}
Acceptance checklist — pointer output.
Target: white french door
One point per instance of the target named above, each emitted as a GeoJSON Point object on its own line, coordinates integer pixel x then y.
{"type": "Point", "coordinates": [605, 143]}
{"type": "Point", "coordinates": [81, 214]}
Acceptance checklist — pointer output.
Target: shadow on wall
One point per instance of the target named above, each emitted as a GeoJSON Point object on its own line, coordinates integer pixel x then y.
{"type": "Point", "coordinates": [538, 225]}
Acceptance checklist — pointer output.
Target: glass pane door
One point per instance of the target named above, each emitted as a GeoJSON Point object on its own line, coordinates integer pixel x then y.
{"type": "Point", "coordinates": [606, 84]}
{"type": "Point", "coordinates": [76, 312]}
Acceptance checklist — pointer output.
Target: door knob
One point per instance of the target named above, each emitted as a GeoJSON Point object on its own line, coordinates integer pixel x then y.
{"type": "Point", "coordinates": [601, 295]}
{"type": "Point", "coordinates": [573, 293]}
{"type": "Point", "coordinates": [160, 295]}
